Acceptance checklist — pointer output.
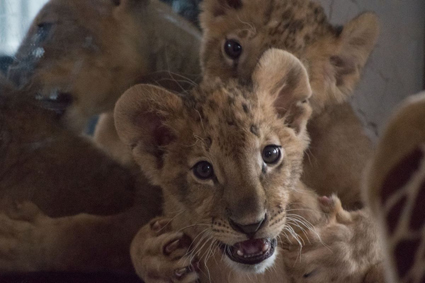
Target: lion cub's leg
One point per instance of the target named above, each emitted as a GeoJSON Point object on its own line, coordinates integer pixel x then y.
{"type": "Point", "coordinates": [33, 241]}
{"type": "Point", "coordinates": [161, 255]}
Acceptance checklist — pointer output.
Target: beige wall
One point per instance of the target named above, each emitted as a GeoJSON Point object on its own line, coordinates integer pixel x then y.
{"type": "Point", "coordinates": [396, 67]}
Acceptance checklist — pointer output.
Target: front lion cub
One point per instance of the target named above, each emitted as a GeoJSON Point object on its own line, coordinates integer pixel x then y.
{"type": "Point", "coordinates": [228, 158]}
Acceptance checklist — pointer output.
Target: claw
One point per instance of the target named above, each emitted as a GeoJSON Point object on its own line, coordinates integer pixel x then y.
{"type": "Point", "coordinates": [156, 226]}
{"type": "Point", "coordinates": [172, 247]}
{"type": "Point", "coordinates": [326, 201]}
{"type": "Point", "coordinates": [181, 272]}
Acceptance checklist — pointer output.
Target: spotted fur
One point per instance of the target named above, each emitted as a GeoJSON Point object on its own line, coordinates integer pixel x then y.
{"type": "Point", "coordinates": [395, 190]}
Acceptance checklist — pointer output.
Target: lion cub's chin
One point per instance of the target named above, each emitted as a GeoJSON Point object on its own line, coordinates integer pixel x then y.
{"type": "Point", "coordinates": [253, 256]}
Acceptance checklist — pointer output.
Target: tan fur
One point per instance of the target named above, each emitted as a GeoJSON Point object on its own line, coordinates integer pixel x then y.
{"type": "Point", "coordinates": [106, 137]}
{"type": "Point", "coordinates": [343, 248]}
{"type": "Point", "coordinates": [334, 60]}
{"type": "Point", "coordinates": [40, 161]}
{"type": "Point", "coordinates": [94, 50]}
{"type": "Point", "coordinates": [395, 189]}
{"type": "Point", "coordinates": [228, 125]}
{"type": "Point", "coordinates": [63, 175]}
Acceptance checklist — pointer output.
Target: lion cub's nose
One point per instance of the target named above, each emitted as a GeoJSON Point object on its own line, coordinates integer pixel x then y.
{"type": "Point", "coordinates": [249, 229]}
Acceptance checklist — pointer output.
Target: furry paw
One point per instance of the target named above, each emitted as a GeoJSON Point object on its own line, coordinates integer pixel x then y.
{"type": "Point", "coordinates": [333, 208]}
{"type": "Point", "coordinates": [21, 237]}
{"type": "Point", "coordinates": [161, 255]}
{"type": "Point", "coordinates": [342, 247]}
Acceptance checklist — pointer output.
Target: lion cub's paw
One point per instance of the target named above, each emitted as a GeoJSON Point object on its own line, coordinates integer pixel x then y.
{"type": "Point", "coordinates": [161, 255]}
{"type": "Point", "coordinates": [21, 236]}
{"type": "Point", "coordinates": [332, 206]}
{"type": "Point", "coordinates": [25, 211]}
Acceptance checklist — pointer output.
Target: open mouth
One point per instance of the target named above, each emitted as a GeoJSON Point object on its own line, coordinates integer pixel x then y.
{"type": "Point", "coordinates": [58, 102]}
{"type": "Point", "coordinates": [251, 251]}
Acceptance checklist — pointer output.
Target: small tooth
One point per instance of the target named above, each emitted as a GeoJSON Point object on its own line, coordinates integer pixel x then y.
{"type": "Point", "coordinates": [240, 253]}
{"type": "Point", "coordinates": [266, 247]}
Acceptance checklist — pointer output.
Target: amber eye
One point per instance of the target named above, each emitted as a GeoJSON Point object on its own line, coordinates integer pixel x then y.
{"type": "Point", "coordinates": [203, 170]}
{"type": "Point", "coordinates": [233, 49]}
{"type": "Point", "coordinates": [271, 154]}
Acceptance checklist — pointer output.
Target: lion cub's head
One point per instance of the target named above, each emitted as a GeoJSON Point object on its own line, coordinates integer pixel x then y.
{"type": "Point", "coordinates": [81, 55]}
{"type": "Point", "coordinates": [226, 155]}
{"type": "Point", "coordinates": [237, 32]}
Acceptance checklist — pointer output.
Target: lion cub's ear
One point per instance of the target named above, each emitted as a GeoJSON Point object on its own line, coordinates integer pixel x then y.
{"type": "Point", "coordinates": [282, 79]}
{"type": "Point", "coordinates": [142, 117]}
{"type": "Point", "coordinates": [347, 55]}
{"type": "Point", "coordinates": [357, 39]}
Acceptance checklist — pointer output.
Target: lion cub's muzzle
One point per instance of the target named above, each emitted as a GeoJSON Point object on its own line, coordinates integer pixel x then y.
{"type": "Point", "coordinates": [252, 251]}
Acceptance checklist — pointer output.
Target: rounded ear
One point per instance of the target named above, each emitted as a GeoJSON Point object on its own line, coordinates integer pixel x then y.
{"type": "Point", "coordinates": [336, 62]}
{"type": "Point", "coordinates": [358, 38]}
{"type": "Point", "coordinates": [282, 78]}
{"type": "Point", "coordinates": [142, 117]}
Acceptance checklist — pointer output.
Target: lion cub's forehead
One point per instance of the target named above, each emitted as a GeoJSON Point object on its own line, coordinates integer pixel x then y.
{"type": "Point", "coordinates": [220, 105]}
{"type": "Point", "coordinates": [228, 114]}
{"type": "Point", "coordinates": [293, 24]}
{"type": "Point", "coordinates": [286, 24]}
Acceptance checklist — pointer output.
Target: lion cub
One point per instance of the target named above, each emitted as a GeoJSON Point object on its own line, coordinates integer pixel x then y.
{"type": "Point", "coordinates": [85, 54]}
{"type": "Point", "coordinates": [229, 159]}
{"type": "Point", "coordinates": [238, 32]}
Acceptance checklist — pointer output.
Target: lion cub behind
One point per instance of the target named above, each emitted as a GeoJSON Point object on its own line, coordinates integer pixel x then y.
{"type": "Point", "coordinates": [229, 159]}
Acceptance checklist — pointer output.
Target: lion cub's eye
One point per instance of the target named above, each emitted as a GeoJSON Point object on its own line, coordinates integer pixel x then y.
{"type": "Point", "coordinates": [271, 154]}
{"type": "Point", "coordinates": [203, 170]}
{"type": "Point", "coordinates": [233, 49]}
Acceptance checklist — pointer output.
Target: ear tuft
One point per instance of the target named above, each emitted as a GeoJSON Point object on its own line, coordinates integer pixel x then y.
{"type": "Point", "coordinates": [283, 78]}
{"type": "Point", "coordinates": [362, 31]}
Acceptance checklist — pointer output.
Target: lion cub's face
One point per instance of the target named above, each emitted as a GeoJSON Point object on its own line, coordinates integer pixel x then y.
{"type": "Point", "coordinates": [238, 32]}
{"type": "Point", "coordinates": [80, 55]}
{"type": "Point", "coordinates": [226, 155]}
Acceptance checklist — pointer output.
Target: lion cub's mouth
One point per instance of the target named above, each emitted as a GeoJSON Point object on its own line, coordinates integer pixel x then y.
{"type": "Point", "coordinates": [251, 251]}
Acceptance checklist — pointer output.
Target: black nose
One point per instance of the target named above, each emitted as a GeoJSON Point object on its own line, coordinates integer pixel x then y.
{"type": "Point", "coordinates": [249, 229]}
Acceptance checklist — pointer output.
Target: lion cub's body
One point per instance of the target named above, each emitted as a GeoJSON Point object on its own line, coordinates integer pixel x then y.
{"type": "Point", "coordinates": [90, 204]}
{"type": "Point", "coordinates": [62, 173]}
